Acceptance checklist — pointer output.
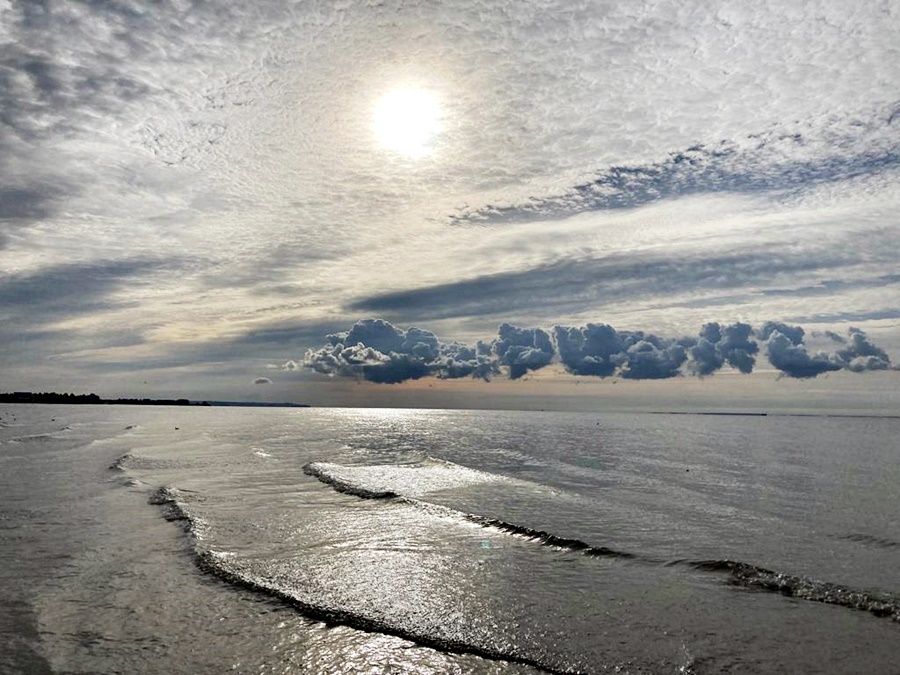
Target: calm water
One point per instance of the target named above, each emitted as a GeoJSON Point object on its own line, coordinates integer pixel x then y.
{"type": "Point", "coordinates": [326, 540]}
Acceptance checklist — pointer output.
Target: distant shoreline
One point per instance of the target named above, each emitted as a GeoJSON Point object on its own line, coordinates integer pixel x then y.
{"type": "Point", "coordinates": [82, 399]}
{"type": "Point", "coordinates": [770, 414]}
{"type": "Point", "coordinates": [55, 398]}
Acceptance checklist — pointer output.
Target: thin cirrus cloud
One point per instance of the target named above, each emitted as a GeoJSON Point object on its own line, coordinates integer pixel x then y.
{"type": "Point", "coordinates": [377, 351]}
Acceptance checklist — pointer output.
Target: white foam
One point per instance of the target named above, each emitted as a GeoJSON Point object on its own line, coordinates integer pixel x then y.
{"type": "Point", "coordinates": [409, 480]}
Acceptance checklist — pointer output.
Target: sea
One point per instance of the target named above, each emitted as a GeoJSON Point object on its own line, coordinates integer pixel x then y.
{"type": "Point", "coordinates": [327, 540]}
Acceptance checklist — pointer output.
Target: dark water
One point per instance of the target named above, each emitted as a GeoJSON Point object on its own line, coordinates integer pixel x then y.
{"type": "Point", "coordinates": [303, 540]}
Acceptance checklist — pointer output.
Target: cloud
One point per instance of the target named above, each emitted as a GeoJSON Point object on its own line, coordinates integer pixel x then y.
{"type": "Point", "coordinates": [29, 203]}
{"type": "Point", "coordinates": [831, 335]}
{"type": "Point", "coordinates": [262, 380]}
{"type": "Point", "coordinates": [229, 132]}
{"type": "Point", "coordinates": [832, 286]}
{"type": "Point", "coordinates": [377, 351]}
{"type": "Point", "coordinates": [838, 317]}
{"type": "Point", "coordinates": [522, 349]}
{"type": "Point", "coordinates": [33, 303]}
{"type": "Point", "coordinates": [860, 354]}
{"type": "Point", "coordinates": [787, 352]}
{"type": "Point", "coordinates": [793, 333]}
{"type": "Point", "coordinates": [737, 346]}
{"type": "Point", "coordinates": [653, 359]}
{"type": "Point", "coordinates": [587, 281]}
{"type": "Point", "coordinates": [601, 350]}
{"type": "Point", "coordinates": [73, 288]}
{"type": "Point", "coordinates": [792, 358]}
{"type": "Point", "coordinates": [459, 360]}
{"type": "Point", "coordinates": [717, 345]}
{"type": "Point", "coordinates": [595, 349]}
{"type": "Point", "coordinates": [780, 159]}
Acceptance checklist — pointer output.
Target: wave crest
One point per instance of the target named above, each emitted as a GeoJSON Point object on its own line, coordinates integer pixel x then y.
{"type": "Point", "coordinates": [740, 573]}
{"type": "Point", "coordinates": [229, 569]}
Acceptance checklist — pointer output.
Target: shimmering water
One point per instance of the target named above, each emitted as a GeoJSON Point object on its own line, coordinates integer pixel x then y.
{"type": "Point", "coordinates": [328, 540]}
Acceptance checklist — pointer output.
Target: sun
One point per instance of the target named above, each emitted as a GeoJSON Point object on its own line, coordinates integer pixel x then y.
{"type": "Point", "coordinates": [407, 121]}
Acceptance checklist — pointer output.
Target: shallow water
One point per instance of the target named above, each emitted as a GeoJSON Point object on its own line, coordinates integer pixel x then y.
{"type": "Point", "coordinates": [339, 540]}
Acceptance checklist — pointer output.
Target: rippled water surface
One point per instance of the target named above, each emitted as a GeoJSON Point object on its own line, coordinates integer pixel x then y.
{"type": "Point", "coordinates": [329, 540]}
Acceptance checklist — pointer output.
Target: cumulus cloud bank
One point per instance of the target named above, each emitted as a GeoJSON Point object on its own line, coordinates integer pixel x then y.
{"type": "Point", "coordinates": [377, 351]}
{"type": "Point", "coordinates": [601, 350]}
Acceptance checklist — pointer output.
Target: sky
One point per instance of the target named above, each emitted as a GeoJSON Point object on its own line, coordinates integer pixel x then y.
{"type": "Point", "coordinates": [574, 204]}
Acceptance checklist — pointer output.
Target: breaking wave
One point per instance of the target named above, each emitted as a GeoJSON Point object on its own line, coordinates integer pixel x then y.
{"type": "Point", "coordinates": [228, 568]}
{"type": "Point", "coordinates": [804, 588]}
{"type": "Point", "coordinates": [384, 481]}
{"type": "Point", "coordinates": [326, 474]}
{"type": "Point", "coordinates": [740, 573]}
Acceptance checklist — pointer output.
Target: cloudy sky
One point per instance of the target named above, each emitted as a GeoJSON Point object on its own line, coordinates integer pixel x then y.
{"type": "Point", "coordinates": [196, 195]}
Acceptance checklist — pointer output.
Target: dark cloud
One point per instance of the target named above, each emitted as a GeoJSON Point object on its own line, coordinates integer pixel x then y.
{"type": "Point", "coordinates": [522, 349]}
{"type": "Point", "coordinates": [793, 333]}
{"type": "Point", "coordinates": [32, 303]}
{"type": "Point", "coordinates": [378, 351]}
{"type": "Point", "coordinates": [74, 288]}
{"type": "Point", "coordinates": [589, 281]}
{"type": "Point", "coordinates": [787, 352]}
{"type": "Point", "coordinates": [264, 343]}
{"type": "Point", "coordinates": [773, 160]}
{"type": "Point", "coordinates": [653, 358]}
{"type": "Point", "coordinates": [25, 204]}
{"type": "Point", "coordinates": [28, 203]}
{"type": "Point", "coordinates": [792, 358]}
{"type": "Point", "coordinates": [737, 346]}
{"type": "Point", "coordinates": [262, 380]}
{"type": "Point", "coordinates": [705, 357]}
{"type": "Point", "coordinates": [860, 354]}
{"type": "Point", "coordinates": [717, 345]}
{"type": "Point", "coordinates": [595, 349]}
{"type": "Point", "coordinates": [840, 317]}
{"type": "Point", "coordinates": [600, 350]}
{"type": "Point", "coordinates": [459, 360]}
{"type": "Point", "coordinates": [832, 286]}
{"type": "Point", "coordinates": [860, 364]}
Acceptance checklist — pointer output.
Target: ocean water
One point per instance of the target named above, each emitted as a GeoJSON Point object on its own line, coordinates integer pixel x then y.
{"type": "Point", "coordinates": [169, 540]}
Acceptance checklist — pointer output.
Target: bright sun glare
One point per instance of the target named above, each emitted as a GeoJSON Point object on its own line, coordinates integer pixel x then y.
{"type": "Point", "coordinates": [407, 121]}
